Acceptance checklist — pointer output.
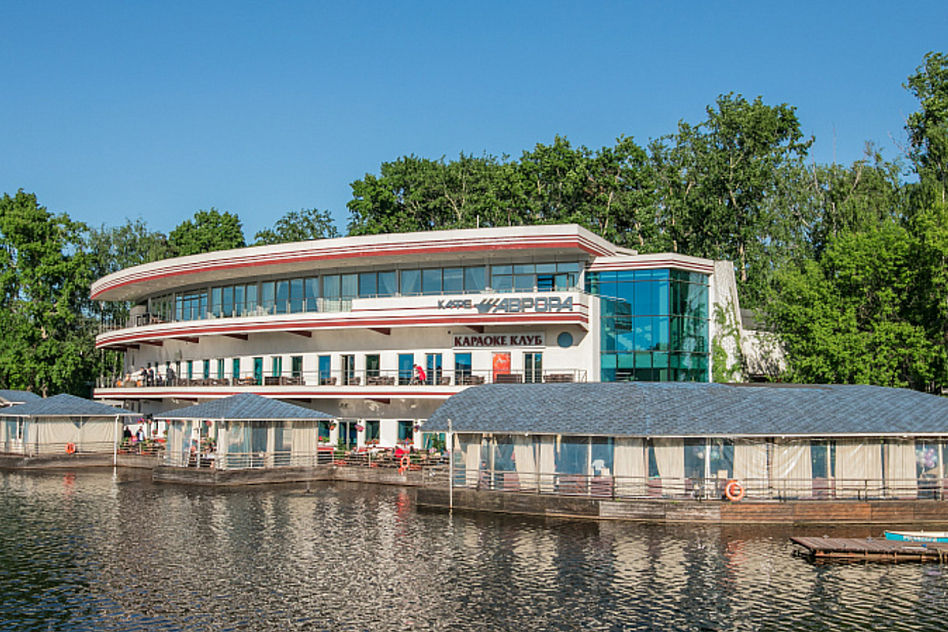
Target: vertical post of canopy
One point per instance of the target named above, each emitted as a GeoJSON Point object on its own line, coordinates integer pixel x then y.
{"type": "Point", "coordinates": [450, 443]}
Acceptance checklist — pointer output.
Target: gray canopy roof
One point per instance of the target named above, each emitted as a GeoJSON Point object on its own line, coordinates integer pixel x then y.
{"type": "Point", "coordinates": [18, 397]}
{"type": "Point", "coordinates": [64, 405]}
{"type": "Point", "coordinates": [692, 409]}
{"type": "Point", "coordinates": [245, 407]}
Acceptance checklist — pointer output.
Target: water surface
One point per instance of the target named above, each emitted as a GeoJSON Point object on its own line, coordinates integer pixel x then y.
{"type": "Point", "coordinates": [95, 551]}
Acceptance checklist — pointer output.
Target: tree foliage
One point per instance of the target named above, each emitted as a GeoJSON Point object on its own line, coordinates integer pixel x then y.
{"type": "Point", "coordinates": [207, 232]}
{"type": "Point", "coordinates": [47, 339]}
{"type": "Point", "coordinates": [301, 225]}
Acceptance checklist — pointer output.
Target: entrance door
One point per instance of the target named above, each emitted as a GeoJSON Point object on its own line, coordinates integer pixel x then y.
{"type": "Point", "coordinates": [533, 367]}
{"type": "Point", "coordinates": [258, 371]}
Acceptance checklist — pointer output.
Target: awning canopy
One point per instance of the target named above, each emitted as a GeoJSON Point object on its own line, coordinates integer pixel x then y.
{"type": "Point", "coordinates": [651, 409]}
{"type": "Point", "coordinates": [244, 407]}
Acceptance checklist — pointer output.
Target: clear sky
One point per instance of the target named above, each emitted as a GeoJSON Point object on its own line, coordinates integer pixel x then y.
{"type": "Point", "coordinates": [127, 109]}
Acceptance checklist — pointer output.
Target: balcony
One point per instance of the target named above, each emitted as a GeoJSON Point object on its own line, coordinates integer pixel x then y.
{"type": "Point", "coordinates": [338, 379]}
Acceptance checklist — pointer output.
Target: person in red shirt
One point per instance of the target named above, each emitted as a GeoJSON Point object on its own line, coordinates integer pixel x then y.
{"type": "Point", "coordinates": [420, 376]}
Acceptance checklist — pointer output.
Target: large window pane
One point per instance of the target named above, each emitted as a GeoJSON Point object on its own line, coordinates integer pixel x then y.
{"type": "Point", "coordinates": [331, 288]}
{"type": "Point", "coordinates": [411, 282]}
{"type": "Point", "coordinates": [350, 285]}
{"type": "Point", "coordinates": [474, 279]}
{"type": "Point", "coordinates": [388, 284]}
{"type": "Point", "coordinates": [453, 280]}
{"type": "Point", "coordinates": [431, 281]}
{"type": "Point", "coordinates": [368, 285]}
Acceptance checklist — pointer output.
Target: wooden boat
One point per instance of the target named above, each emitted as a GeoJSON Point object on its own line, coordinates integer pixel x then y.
{"type": "Point", "coordinates": [917, 536]}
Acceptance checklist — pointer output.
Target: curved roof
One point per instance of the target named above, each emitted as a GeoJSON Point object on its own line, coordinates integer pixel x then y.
{"type": "Point", "coordinates": [64, 405]}
{"type": "Point", "coordinates": [245, 407]}
{"type": "Point", "coordinates": [672, 409]}
{"type": "Point", "coordinates": [303, 257]}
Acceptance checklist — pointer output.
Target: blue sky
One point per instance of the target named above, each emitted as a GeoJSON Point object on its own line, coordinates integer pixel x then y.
{"type": "Point", "coordinates": [115, 110]}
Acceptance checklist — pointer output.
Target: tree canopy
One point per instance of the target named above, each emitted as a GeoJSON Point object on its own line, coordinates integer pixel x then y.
{"type": "Point", "coordinates": [207, 232]}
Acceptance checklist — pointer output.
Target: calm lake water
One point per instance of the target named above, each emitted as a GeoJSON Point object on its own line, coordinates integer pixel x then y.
{"type": "Point", "coordinates": [93, 551]}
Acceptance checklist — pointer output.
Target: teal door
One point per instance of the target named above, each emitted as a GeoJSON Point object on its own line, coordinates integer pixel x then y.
{"type": "Point", "coordinates": [258, 371]}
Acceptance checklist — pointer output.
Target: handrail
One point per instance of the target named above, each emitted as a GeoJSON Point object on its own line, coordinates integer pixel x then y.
{"type": "Point", "coordinates": [360, 378]}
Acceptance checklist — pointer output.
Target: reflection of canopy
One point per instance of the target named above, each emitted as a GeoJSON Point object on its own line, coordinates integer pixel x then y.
{"type": "Point", "coordinates": [643, 409]}
{"type": "Point", "coordinates": [245, 407]}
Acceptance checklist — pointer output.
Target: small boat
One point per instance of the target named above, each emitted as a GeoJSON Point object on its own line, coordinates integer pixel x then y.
{"type": "Point", "coordinates": [917, 536]}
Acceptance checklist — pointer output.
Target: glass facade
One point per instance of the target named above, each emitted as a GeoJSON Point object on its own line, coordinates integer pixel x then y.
{"type": "Point", "coordinates": [334, 292]}
{"type": "Point", "coordinates": [654, 325]}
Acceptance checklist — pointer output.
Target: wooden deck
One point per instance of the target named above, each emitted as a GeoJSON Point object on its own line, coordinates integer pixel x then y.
{"type": "Point", "coordinates": [870, 550]}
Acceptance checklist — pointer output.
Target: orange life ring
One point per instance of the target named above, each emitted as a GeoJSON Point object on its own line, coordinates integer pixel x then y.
{"type": "Point", "coordinates": [404, 464]}
{"type": "Point", "coordinates": [734, 490]}
{"type": "Point", "coordinates": [70, 448]}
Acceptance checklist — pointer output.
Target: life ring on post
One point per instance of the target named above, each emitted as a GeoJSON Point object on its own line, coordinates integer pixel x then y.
{"type": "Point", "coordinates": [734, 490]}
{"type": "Point", "coordinates": [404, 464]}
{"type": "Point", "coordinates": [70, 448]}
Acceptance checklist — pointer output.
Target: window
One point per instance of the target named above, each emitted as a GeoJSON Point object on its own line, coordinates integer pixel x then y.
{"type": "Point", "coordinates": [297, 298]}
{"type": "Point", "coordinates": [433, 368]}
{"type": "Point", "coordinates": [406, 368]}
{"type": "Point", "coordinates": [325, 369]}
{"type": "Point", "coordinates": [268, 297]}
{"type": "Point", "coordinates": [235, 369]}
{"type": "Point", "coordinates": [296, 366]}
{"type": "Point", "coordinates": [311, 292]}
{"type": "Point", "coordinates": [372, 430]}
{"type": "Point", "coordinates": [453, 281]}
{"type": "Point", "coordinates": [406, 431]}
{"type": "Point", "coordinates": [348, 369]}
{"type": "Point", "coordinates": [220, 368]}
{"type": "Point", "coordinates": [462, 368]}
{"type": "Point", "coordinates": [276, 366]}
{"type": "Point", "coordinates": [388, 283]}
{"type": "Point", "coordinates": [368, 284]}
{"type": "Point", "coordinates": [282, 304]}
{"type": "Point", "coordinates": [474, 279]}
{"type": "Point", "coordinates": [411, 282]}
{"type": "Point", "coordinates": [350, 285]}
{"type": "Point", "coordinates": [258, 371]}
{"type": "Point", "coordinates": [372, 365]}
{"type": "Point", "coordinates": [533, 367]}
{"type": "Point", "coordinates": [431, 281]}
{"type": "Point", "coordinates": [324, 431]}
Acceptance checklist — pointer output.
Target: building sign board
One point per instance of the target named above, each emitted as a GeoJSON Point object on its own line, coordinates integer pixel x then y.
{"type": "Point", "coordinates": [482, 341]}
{"type": "Point", "coordinates": [512, 305]}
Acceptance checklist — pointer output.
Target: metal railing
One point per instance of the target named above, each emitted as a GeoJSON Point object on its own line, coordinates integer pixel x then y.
{"type": "Point", "coordinates": [327, 455]}
{"type": "Point", "coordinates": [337, 378]}
{"type": "Point", "coordinates": [632, 487]}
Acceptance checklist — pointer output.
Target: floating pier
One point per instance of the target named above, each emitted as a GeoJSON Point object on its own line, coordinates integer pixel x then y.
{"type": "Point", "coordinates": [869, 550]}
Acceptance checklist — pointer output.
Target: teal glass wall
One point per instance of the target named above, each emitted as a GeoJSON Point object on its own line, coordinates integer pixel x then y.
{"type": "Point", "coordinates": [654, 325]}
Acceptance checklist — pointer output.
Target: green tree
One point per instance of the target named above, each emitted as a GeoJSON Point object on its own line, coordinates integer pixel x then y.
{"type": "Point", "coordinates": [847, 318]}
{"type": "Point", "coordinates": [928, 127]}
{"type": "Point", "coordinates": [209, 231]}
{"type": "Point", "coordinates": [302, 225]}
{"type": "Point", "coordinates": [47, 339]}
{"type": "Point", "coordinates": [718, 182]}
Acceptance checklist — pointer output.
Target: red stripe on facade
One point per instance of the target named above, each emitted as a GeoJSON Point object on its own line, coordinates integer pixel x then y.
{"type": "Point", "coordinates": [201, 329]}
{"type": "Point", "coordinates": [361, 251]}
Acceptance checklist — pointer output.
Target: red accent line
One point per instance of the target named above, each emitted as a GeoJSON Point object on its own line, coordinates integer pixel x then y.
{"type": "Point", "coordinates": [363, 251]}
{"type": "Point", "coordinates": [201, 329]}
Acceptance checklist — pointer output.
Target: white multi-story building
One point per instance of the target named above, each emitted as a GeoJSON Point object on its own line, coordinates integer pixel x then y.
{"type": "Point", "coordinates": [380, 330]}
